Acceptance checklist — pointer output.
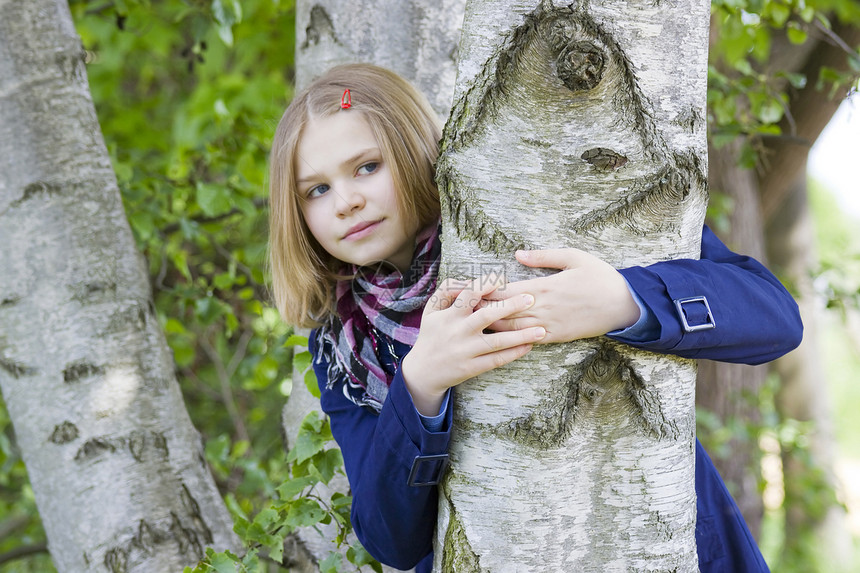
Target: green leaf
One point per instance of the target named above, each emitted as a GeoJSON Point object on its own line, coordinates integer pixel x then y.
{"type": "Point", "coordinates": [744, 67]}
{"type": "Point", "coordinates": [304, 512]}
{"type": "Point", "coordinates": [223, 281]}
{"type": "Point", "coordinates": [314, 435]}
{"type": "Point", "coordinates": [331, 564]}
{"type": "Point", "coordinates": [340, 500]}
{"type": "Point", "coordinates": [770, 111]}
{"type": "Point", "coordinates": [173, 326]}
{"type": "Point", "coordinates": [312, 384]}
{"type": "Point", "coordinates": [266, 518]}
{"type": "Point", "coordinates": [214, 200]}
{"type": "Point", "coordinates": [223, 562]}
{"type": "Point", "coordinates": [296, 340]}
{"type": "Point", "coordinates": [286, 387]}
{"type": "Point", "coordinates": [291, 488]}
{"type": "Point", "coordinates": [749, 157]}
{"type": "Point", "coordinates": [241, 526]}
{"type": "Point", "coordinates": [796, 80]}
{"type": "Point", "coordinates": [778, 13]}
{"type": "Point", "coordinates": [276, 548]}
{"type": "Point", "coordinates": [302, 361]}
{"type": "Point", "coordinates": [327, 463]}
{"type": "Point", "coordinates": [227, 13]}
{"type": "Point", "coordinates": [234, 507]}
{"type": "Point", "coordinates": [358, 556]}
{"type": "Point", "coordinates": [796, 35]}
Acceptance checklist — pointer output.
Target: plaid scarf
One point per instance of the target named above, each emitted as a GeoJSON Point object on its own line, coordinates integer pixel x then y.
{"type": "Point", "coordinates": [378, 306]}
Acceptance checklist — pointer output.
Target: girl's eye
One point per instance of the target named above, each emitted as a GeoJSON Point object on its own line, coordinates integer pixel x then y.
{"type": "Point", "coordinates": [318, 191]}
{"type": "Point", "coordinates": [368, 168]}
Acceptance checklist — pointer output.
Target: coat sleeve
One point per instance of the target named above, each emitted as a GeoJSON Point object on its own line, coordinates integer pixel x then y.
{"type": "Point", "coordinates": [755, 319]}
{"type": "Point", "coordinates": [394, 521]}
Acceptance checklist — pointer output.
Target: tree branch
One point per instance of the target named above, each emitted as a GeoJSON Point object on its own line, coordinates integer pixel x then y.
{"type": "Point", "coordinates": [173, 227]}
{"type": "Point", "coordinates": [23, 551]}
{"type": "Point", "coordinates": [224, 376]}
{"type": "Point", "coordinates": [812, 110]}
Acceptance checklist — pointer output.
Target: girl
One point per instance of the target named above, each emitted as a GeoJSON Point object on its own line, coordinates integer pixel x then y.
{"type": "Point", "coordinates": [355, 254]}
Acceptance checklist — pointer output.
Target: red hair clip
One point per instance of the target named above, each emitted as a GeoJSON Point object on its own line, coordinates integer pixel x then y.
{"type": "Point", "coordinates": [346, 100]}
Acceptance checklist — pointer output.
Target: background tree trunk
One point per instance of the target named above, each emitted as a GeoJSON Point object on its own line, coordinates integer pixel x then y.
{"type": "Point", "coordinates": [731, 390]}
{"type": "Point", "coordinates": [770, 221]}
{"type": "Point", "coordinates": [422, 48]}
{"type": "Point", "coordinates": [581, 126]}
{"type": "Point", "coordinates": [115, 463]}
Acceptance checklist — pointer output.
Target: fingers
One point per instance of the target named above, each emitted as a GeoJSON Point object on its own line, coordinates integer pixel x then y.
{"type": "Point", "coordinates": [446, 293]}
{"type": "Point", "coordinates": [470, 297]}
{"type": "Point", "coordinates": [514, 323]}
{"type": "Point", "coordinates": [552, 258]}
{"type": "Point", "coordinates": [495, 311]}
{"type": "Point", "coordinates": [501, 341]}
{"type": "Point", "coordinates": [500, 358]}
{"type": "Point", "coordinates": [508, 290]}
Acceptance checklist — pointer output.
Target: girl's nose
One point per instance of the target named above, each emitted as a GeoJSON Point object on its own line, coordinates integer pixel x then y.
{"type": "Point", "coordinates": [349, 200]}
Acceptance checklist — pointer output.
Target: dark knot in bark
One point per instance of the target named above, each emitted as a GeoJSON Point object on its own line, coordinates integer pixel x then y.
{"type": "Point", "coordinates": [604, 159]}
{"type": "Point", "coordinates": [580, 65]}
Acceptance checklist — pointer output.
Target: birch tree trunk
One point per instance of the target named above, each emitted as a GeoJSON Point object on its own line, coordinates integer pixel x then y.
{"type": "Point", "coordinates": [117, 468]}
{"type": "Point", "coordinates": [574, 125]}
{"type": "Point", "coordinates": [421, 47]}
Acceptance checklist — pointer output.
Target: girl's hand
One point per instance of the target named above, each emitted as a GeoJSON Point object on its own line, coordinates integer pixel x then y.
{"type": "Point", "coordinates": [587, 298]}
{"type": "Point", "coordinates": [452, 346]}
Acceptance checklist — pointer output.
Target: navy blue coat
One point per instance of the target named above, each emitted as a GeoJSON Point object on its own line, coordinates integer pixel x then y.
{"type": "Point", "coordinates": [756, 321]}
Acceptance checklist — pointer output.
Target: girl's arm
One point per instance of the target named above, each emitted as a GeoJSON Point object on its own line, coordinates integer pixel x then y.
{"type": "Point", "coordinates": [379, 453]}
{"type": "Point", "coordinates": [753, 319]}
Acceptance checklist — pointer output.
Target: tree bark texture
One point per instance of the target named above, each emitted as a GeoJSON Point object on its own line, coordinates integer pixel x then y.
{"type": "Point", "coordinates": [574, 125]}
{"type": "Point", "coordinates": [415, 38]}
{"type": "Point", "coordinates": [422, 47]}
{"type": "Point", "coordinates": [117, 468]}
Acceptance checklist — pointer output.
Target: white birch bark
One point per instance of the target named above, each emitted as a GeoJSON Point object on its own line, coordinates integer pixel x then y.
{"type": "Point", "coordinates": [574, 125]}
{"type": "Point", "coordinates": [117, 468]}
{"type": "Point", "coordinates": [415, 38]}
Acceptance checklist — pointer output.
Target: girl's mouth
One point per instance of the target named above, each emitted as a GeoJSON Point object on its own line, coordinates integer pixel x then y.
{"type": "Point", "coordinates": [361, 230]}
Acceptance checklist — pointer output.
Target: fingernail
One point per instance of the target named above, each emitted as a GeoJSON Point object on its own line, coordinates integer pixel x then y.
{"type": "Point", "coordinates": [540, 333]}
{"type": "Point", "coordinates": [521, 253]}
{"type": "Point", "coordinates": [529, 300]}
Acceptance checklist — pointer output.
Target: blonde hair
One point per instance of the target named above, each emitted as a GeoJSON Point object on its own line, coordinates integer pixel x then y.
{"type": "Point", "coordinates": [407, 131]}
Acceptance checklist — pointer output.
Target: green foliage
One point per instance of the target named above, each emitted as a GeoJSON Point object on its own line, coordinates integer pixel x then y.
{"type": "Point", "coordinates": [838, 243]}
{"type": "Point", "coordinates": [810, 490]}
{"type": "Point", "coordinates": [746, 95]}
{"type": "Point", "coordinates": [20, 526]}
{"type": "Point", "coordinates": [298, 503]}
{"type": "Point", "coordinates": [188, 117]}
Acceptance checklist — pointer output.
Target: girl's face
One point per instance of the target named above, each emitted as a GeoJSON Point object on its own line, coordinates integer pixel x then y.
{"type": "Point", "coordinates": [347, 194]}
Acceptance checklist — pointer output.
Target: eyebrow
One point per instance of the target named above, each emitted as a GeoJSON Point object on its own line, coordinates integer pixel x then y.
{"type": "Point", "coordinates": [354, 159]}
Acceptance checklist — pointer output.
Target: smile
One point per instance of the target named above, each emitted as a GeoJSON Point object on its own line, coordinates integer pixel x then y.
{"type": "Point", "coordinates": [361, 230]}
